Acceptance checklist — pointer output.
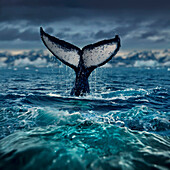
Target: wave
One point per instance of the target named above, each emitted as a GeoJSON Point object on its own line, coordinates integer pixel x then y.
{"type": "Point", "coordinates": [103, 102]}
{"type": "Point", "coordinates": [86, 146]}
{"type": "Point", "coordinates": [141, 118]}
{"type": "Point", "coordinates": [122, 124]}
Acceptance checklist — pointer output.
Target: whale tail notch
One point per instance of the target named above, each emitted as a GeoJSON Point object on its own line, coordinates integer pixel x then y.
{"type": "Point", "coordinates": [93, 55]}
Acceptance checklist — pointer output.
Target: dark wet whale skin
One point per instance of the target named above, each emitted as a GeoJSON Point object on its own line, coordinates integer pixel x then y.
{"type": "Point", "coordinates": [81, 84]}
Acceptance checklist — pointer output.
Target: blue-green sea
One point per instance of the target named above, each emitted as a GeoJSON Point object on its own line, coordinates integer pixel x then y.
{"type": "Point", "coordinates": [124, 123]}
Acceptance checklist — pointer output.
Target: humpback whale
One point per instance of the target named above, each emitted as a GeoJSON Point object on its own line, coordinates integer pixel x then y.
{"type": "Point", "coordinates": [82, 61]}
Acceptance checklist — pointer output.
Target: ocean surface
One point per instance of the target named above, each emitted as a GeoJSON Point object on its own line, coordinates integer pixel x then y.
{"type": "Point", "coordinates": [124, 123]}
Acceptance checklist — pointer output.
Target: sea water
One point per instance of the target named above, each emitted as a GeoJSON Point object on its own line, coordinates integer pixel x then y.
{"type": "Point", "coordinates": [124, 123]}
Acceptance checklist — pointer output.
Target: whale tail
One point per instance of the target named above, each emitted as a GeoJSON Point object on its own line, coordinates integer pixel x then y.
{"type": "Point", "coordinates": [93, 55]}
{"type": "Point", "coordinates": [84, 60]}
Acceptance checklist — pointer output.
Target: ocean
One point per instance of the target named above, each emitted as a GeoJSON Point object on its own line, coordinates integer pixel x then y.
{"type": "Point", "coordinates": [124, 123]}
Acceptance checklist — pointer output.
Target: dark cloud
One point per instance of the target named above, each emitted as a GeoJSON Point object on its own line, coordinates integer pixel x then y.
{"type": "Point", "coordinates": [103, 34]}
{"type": "Point", "coordinates": [126, 28]}
{"type": "Point", "coordinates": [161, 23]}
{"type": "Point", "coordinates": [9, 34]}
{"type": "Point", "coordinates": [155, 35]}
{"type": "Point", "coordinates": [84, 22]}
{"type": "Point", "coordinates": [148, 34]}
{"type": "Point", "coordinates": [94, 4]}
{"type": "Point", "coordinates": [76, 38]}
{"type": "Point", "coordinates": [33, 15]}
{"type": "Point", "coordinates": [67, 29]}
{"type": "Point", "coordinates": [122, 28]}
{"type": "Point", "coordinates": [122, 4]}
{"type": "Point", "coordinates": [49, 30]}
{"type": "Point", "coordinates": [39, 11]}
{"type": "Point", "coordinates": [62, 35]}
{"type": "Point", "coordinates": [160, 40]}
{"type": "Point", "coordinates": [29, 35]}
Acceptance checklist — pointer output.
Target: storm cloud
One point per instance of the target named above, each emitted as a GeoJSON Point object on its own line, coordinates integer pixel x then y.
{"type": "Point", "coordinates": [29, 34]}
{"type": "Point", "coordinates": [140, 24]}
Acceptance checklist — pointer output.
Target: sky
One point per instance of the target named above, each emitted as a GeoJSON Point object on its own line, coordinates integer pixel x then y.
{"type": "Point", "coordinates": [141, 24]}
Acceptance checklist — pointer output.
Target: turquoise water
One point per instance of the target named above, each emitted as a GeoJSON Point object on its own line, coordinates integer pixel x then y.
{"type": "Point", "coordinates": [124, 123]}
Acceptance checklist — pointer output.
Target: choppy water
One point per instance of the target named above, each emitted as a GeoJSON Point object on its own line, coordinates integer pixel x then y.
{"type": "Point", "coordinates": [123, 124]}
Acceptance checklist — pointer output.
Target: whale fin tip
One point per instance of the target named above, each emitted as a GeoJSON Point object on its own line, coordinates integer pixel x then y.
{"type": "Point", "coordinates": [41, 31]}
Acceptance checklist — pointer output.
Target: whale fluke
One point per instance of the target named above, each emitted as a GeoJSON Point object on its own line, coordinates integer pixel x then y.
{"type": "Point", "coordinates": [82, 61]}
{"type": "Point", "coordinates": [64, 51]}
{"type": "Point", "coordinates": [98, 54]}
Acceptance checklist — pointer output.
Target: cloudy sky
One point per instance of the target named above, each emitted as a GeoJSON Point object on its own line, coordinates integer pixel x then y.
{"type": "Point", "coordinates": [141, 24]}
